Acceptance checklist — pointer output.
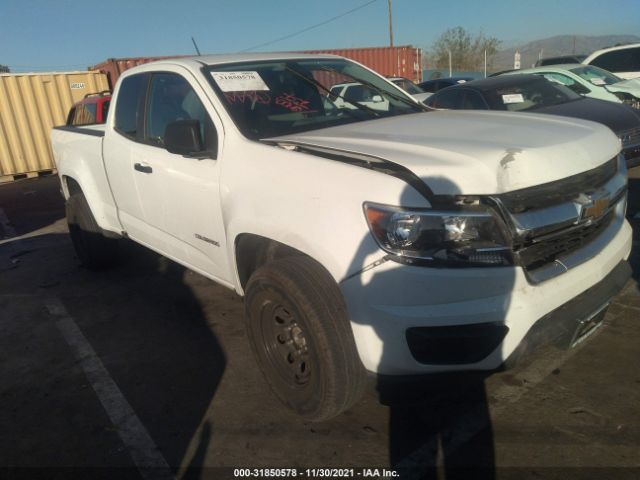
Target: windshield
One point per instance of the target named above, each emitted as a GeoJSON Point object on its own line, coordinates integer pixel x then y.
{"type": "Point", "coordinates": [408, 86]}
{"type": "Point", "coordinates": [530, 95]}
{"type": "Point", "coordinates": [596, 76]}
{"type": "Point", "coordinates": [273, 98]}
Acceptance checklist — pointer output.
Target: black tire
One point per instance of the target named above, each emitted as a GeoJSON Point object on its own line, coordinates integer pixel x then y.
{"type": "Point", "coordinates": [94, 250]}
{"type": "Point", "coordinates": [300, 333]}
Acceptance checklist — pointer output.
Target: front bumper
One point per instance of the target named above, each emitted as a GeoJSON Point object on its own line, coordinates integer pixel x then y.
{"type": "Point", "coordinates": [391, 299]}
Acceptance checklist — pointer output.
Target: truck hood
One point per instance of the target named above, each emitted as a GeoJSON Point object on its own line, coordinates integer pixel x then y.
{"type": "Point", "coordinates": [473, 152]}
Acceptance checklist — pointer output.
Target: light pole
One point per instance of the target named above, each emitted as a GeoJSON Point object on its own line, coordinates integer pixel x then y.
{"type": "Point", "coordinates": [390, 25]}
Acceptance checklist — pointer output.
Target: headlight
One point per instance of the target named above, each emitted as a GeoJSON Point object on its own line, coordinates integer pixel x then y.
{"type": "Point", "coordinates": [464, 238]}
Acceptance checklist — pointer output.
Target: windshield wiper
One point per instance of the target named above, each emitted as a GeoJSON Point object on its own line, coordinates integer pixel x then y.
{"type": "Point", "coordinates": [406, 101]}
{"type": "Point", "coordinates": [313, 81]}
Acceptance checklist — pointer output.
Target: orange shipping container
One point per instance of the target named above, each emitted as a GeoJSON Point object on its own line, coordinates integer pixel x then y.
{"type": "Point", "coordinates": [404, 61]}
{"type": "Point", "coordinates": [31, 104]}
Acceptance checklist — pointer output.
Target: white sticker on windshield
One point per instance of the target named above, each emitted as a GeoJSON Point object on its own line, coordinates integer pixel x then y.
{"type": "Point", "coordinates": [598, 81]}
{"type": "Point", "coordinates": [512, 98]}
{"type": "Point", "coordinates": [461, 81]}
{"type": "Point", "coordinates": [239, 81]}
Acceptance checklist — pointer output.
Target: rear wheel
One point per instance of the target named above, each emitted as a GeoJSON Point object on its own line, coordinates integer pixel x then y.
{"type": "Point", "coordinates": [94, 250]}
{"type": "Point", "coordinates": [299, 330]}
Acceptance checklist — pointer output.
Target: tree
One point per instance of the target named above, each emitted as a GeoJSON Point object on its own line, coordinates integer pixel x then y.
{"type": "Point", "coordinates": [467, 52]}
{"type": "Point", "coordinates": [4, 69]}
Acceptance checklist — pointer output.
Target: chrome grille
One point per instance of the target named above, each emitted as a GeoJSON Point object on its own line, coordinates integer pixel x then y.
{"type": "Point", "coordinates": [554, 222]}
{"type": "Point", "coordinates": [541, 253]}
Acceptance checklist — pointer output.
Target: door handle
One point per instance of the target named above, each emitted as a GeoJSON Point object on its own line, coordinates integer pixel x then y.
{"type": "Point", "coordinates": [143, 167]}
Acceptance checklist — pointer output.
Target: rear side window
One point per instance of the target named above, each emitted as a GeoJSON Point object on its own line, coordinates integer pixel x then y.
{"type": "Point", "coordinates": [83, 114]}
{"type": "Point", "coordinates": [626, 60]}
{"type": "Point", "coordinates": [130, 105]}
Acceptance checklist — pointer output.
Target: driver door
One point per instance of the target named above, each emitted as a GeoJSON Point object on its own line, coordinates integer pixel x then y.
{"type": "Point", "coordinates": [175, 202]}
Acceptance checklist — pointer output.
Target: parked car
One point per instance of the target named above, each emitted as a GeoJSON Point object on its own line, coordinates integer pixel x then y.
{"type": "Point", "coordinates": [623, 60]}
{"type": "Point", "coordinates": [411, 88]}
{"type": "Point", "coordinates": [433, 86]}
{"type": "Point", "coordinates": [91, 110]}
{"type": "Point", "coordinates": [590, 81]}
{"type": "Point", "coordinates": [560, 60]}
{"type": "Point", "coordinates": [351, 95]}
{"type": "Point", "coordinates": [397, 241]}
{"type": "Point", "coordinates": [535, 94]}
{"type": "Point", "coordinates": [354, 94]}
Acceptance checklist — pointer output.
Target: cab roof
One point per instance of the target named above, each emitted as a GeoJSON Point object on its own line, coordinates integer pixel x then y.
{"type": "Point", "coordinates": [222, 59]}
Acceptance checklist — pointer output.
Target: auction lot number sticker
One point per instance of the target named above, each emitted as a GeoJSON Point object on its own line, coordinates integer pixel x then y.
{"type": "Point", "coordinates": [239, 81]}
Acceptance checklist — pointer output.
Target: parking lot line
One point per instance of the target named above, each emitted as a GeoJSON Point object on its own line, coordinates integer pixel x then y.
{"type": "Point", "coordinates": [144, 452]}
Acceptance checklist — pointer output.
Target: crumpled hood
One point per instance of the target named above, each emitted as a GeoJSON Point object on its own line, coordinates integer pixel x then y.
{"type": "Point", "coordinates": [474, 152]}
{"type": "Point", "coordinates": [631, 86]}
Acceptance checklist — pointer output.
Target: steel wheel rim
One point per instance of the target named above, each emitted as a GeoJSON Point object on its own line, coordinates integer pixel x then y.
{"type": "Point", "coordinates": [286, 346]}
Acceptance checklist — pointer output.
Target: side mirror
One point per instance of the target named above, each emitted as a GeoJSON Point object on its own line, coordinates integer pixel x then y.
{"type": "Point", "coordinates": [183, 137]}
{"type": "Point", "coordinates": [377, 99]}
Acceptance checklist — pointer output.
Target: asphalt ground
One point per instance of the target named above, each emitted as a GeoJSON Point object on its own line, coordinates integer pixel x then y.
{"type": "Point", "coordinates": [144, 371]}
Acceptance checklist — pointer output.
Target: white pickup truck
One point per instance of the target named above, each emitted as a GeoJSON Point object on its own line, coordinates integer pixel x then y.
{"type": "Point", "coordinates": [397, 241]}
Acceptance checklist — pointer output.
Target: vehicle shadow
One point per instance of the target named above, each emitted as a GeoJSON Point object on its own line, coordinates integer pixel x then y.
{"type": "Point", "coordinates": [633, 208]}
{"type": "Point", "coordinates": [439, 424]}
{"type": "Point", "coordinates": [178, 360]}
{"type": "Point", "coordinates": [147, 325]}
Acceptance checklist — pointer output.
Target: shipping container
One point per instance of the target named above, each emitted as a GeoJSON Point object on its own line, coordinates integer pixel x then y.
{"type": "Point", "coordinates": [404, 61]}
{"type": "Point", "coordinates": [113, 67]}
{"type": "Point", "coordinates": [31, 104]}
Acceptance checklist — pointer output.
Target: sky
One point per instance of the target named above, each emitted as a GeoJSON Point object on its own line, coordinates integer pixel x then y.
{"type": "Point", "coordinates": [65, 35]}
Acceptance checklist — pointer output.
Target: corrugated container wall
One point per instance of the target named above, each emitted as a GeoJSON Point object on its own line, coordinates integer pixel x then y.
{"type": "Point", "coordinates": [31, 104]}
{"type": "Point", "coordinates": [113, 67]}
{"type": "Point", "coordinates": [404, 61]}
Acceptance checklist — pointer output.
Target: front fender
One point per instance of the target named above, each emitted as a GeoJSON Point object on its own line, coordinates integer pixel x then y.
{"type": "Point", "coordinates": [312, 204]}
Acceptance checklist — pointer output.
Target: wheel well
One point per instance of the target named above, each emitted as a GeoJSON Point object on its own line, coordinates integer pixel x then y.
{"type": "Point", "coordinates": [72, 186]}
{"type": "Point", "coordinates": [253, 251]}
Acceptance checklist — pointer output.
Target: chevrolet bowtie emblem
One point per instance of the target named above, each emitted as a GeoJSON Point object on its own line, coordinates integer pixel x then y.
{"type": "Point", "coordinates": [595, 208]}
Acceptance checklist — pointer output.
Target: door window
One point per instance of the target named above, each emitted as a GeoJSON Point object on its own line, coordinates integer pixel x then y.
{"type": "Point", "coordinates": [171, 99]}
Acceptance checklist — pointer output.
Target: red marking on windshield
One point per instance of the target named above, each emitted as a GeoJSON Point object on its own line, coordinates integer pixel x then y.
{"type": "Point", "coordinates": [293, 103]}
{"type": "Point", "coordinates": [253, 97]}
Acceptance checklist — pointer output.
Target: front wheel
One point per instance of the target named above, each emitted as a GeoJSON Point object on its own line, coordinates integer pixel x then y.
{"type": "Point", "coordinates": [299, 331]}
